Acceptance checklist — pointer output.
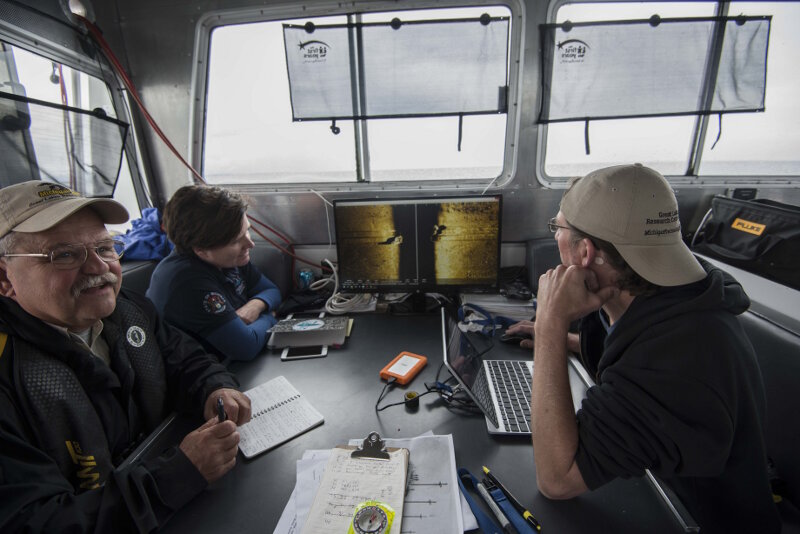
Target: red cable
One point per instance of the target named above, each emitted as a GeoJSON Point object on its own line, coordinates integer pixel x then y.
{"type": "Point", "coordinates": [98, 36]}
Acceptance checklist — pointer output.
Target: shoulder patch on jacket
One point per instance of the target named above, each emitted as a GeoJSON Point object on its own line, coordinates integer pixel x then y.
{"type": "Point", "coordinates": [214, 303]}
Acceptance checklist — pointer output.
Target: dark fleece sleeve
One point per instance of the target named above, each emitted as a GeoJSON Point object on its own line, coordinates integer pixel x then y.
{"type": "Point", "coordinates": [37, 498]}
{"type": "Point", "coordinates": [665, 406]}
{"type": "Point", "coordinates": [192, 373]}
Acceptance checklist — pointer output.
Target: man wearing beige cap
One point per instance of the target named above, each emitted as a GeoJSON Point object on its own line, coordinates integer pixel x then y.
{"type": "Point", "coordinates": [678, 390]}
{"type": "Point", "coordinates": [86, 372]}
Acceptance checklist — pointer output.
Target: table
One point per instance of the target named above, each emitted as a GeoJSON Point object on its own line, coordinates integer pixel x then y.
{"type": "Point", "coordinates": [344, 387]}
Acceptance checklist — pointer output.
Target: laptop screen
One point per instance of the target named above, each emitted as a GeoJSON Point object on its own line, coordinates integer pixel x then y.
{"type": "Point", "coordinates": [464, 357]}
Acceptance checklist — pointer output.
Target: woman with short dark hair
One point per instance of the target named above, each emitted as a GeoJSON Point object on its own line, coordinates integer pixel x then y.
{"type": "Point", "coordinates": [208, 287]}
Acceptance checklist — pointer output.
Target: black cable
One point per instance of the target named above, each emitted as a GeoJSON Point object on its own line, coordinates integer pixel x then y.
{"type": "Point", "coordinates": [401, 402]}
{"type": "Point", "coordinates": [454, 400]}
{"type": "Point", "coordinates": [390, 382]}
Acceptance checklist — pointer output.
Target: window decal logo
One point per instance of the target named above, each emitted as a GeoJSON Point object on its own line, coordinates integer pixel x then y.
{"type": "Point", "coordinates": [314, 51]}
{"type": "Point", "coordinates": [572, 51]}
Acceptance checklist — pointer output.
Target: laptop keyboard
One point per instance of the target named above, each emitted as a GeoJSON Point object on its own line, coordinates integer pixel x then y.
{"type": "Point", "coordinates": [512, 382]}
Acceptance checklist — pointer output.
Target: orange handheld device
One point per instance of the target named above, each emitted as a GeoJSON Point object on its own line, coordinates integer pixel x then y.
{"type": "Point", "coordinates": [404, 367]}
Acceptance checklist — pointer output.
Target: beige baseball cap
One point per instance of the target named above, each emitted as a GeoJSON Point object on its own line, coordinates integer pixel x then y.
{"type": "Point", "coordinates": [35, 206]}
{"type": "Point", "coordinates": [633, 208]}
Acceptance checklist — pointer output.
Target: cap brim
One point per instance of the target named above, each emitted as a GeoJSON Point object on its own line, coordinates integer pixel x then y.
{"type": "Point", "coordinates": [110, 211]}
{"type": "Point", "coordinates": [668, 266]}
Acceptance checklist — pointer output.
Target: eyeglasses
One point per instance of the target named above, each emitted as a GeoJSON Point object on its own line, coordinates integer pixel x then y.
{"type": "Point", "coordinates": [65, 257]}
{"type": "Point", "coordinates": [553, 226]}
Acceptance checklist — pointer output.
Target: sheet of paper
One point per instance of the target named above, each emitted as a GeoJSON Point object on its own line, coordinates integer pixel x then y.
{"type": "Point", "coordinates": [309, 474]}
{"type": "Point", "coordinates": [287, 524]}
{"type": "Point", "coordinates": [312, 464]}
{"type": "Point", "coordinates": [347, 482]}
{"type": "Point", "coordinates": [432, 503]}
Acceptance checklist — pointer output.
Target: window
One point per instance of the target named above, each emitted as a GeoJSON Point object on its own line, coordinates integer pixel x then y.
{"type": "Point", "coordinates": [59, 124]}
{"type": "Point", "coordinates": [751, 146]}
{"type": "Point", "coordinates": [250, 137]}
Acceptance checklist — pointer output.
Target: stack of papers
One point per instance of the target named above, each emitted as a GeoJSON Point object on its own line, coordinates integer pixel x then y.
{"type": "Point", "coordinates": [515, 309]}
{"type": "Point", "coordinates": [432, 503]}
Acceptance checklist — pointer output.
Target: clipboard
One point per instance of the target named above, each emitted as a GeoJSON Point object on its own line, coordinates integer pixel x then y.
{"type": "Point", "coordinates": [353, 476]}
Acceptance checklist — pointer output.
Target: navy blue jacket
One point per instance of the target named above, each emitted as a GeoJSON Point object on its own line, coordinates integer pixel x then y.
{"type": "Point", "coordinates": [202, 300]}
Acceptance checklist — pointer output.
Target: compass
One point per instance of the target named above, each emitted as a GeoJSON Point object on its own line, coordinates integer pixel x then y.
{"type": "Point", "coordinates": [372, 517]}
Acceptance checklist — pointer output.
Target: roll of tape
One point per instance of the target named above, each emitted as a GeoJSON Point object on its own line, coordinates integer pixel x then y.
{"type": "Point", "coordinates": [412, 400]}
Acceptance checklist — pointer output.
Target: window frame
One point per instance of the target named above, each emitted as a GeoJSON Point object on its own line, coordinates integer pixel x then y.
{"type": "Point", "coordinates": [696, 142]}
{"type": "Point", "coordinates": [199, 90]}
{"type": "Point", "coordinates": [77, 61]}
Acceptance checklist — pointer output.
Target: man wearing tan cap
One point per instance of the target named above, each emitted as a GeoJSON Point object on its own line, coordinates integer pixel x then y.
{"type": "Point", "coordinates": [86, 373]}
{"type": "Point", "coordinates": [678, 390]}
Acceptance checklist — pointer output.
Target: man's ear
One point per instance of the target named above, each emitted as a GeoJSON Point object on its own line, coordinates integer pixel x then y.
{"type": "Point", "coordinates": [6, 287]}
{"type": "Point", "coordinates": [588, 253]}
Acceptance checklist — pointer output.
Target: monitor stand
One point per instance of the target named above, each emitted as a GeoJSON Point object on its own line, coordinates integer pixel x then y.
{"type": "Point", "coordinates": [416, 304]}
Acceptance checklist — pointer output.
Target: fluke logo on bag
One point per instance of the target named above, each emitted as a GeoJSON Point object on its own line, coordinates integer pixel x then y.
{"type": "Point", "coordinates": [88, 476]}
{"type": "Point", "coordinates": [748, 226]}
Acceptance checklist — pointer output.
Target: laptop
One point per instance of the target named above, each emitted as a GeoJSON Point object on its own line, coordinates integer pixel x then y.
{"type": "Point", "coordinates": [500, 388]}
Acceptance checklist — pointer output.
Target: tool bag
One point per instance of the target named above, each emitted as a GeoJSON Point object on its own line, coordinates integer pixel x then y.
{"type": "Point", "coordinates": [759, 236]}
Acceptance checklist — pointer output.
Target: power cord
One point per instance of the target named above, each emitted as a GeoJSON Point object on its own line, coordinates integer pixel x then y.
{"type": "Point", "coordinates": [340, 303]}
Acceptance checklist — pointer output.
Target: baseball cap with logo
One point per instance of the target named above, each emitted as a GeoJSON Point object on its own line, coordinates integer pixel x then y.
{"type": "Point", "coordinates": [633, 208]}
{"type": "Point", "coordinates": [35, 206]}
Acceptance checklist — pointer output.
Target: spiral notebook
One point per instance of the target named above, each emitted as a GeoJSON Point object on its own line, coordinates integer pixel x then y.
{"type": "Point", "coordinates": [280, 413]}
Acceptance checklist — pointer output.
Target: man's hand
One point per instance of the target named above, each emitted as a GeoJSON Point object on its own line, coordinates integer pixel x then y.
{"type": "Point", "coordinates": [251, 310]}
{"type": "Point", "coordinates": [237, 405]}
{"type": "Point", "coordinates": [522, 328]}
{"type": "Point", "coordinates": [526, 328]}
{"type": "Point", "coordinates": [569, 293]}
{"type": "Point", "coordinates": [212, 448]}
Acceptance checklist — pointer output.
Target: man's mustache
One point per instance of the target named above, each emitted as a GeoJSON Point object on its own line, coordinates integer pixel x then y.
{"type": "Point", "coordinates": [89, 282]}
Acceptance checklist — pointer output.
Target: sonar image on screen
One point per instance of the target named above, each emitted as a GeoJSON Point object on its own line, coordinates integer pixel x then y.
{"type": "Point", "coordinates": [418, 243]}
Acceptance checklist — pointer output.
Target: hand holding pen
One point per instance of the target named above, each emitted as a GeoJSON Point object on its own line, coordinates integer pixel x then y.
{"type": "Point", "coordinates": [221, 415]}
{"type": "Point", "coordinates": [235, 406]}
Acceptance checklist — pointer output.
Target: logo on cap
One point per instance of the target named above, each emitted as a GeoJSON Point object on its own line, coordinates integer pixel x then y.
{"type": "Point", "coordinates": [54, 190]}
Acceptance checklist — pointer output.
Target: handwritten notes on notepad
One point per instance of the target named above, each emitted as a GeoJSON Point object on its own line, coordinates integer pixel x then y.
{"type": "Point", "coordinates": [347, 481]}
{"type": "Point", "coordinates": [280, 413]}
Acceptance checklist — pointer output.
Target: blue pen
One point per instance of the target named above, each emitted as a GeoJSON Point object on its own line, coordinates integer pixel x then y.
{"type": "Point", "coordinates": [221, 415]}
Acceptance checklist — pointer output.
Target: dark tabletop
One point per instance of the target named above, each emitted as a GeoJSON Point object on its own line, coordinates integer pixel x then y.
{"type": "Point", "coordinates": [344, 387]}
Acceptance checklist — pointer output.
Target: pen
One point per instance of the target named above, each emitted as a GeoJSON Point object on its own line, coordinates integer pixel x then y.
{"type": "Point", "coordinates": [505, 524]}
{"type": "Point", "coordinates": [221, 415]}
{"type": "Point", "coordinates": [513, 500]}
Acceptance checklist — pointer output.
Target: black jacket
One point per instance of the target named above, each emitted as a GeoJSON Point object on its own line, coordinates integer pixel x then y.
{"type": "Point", "coordinates": [679, 392]}
{"type": "Point", "coordinates": [67, 420]}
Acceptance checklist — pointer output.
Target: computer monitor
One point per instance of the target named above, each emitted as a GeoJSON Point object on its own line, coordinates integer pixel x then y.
{"type": "Point", "coordinates": [424, 244]}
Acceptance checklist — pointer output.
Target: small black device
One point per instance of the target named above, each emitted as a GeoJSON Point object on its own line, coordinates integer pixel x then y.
{"type": "Point", "coordinates": [302, 353]}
